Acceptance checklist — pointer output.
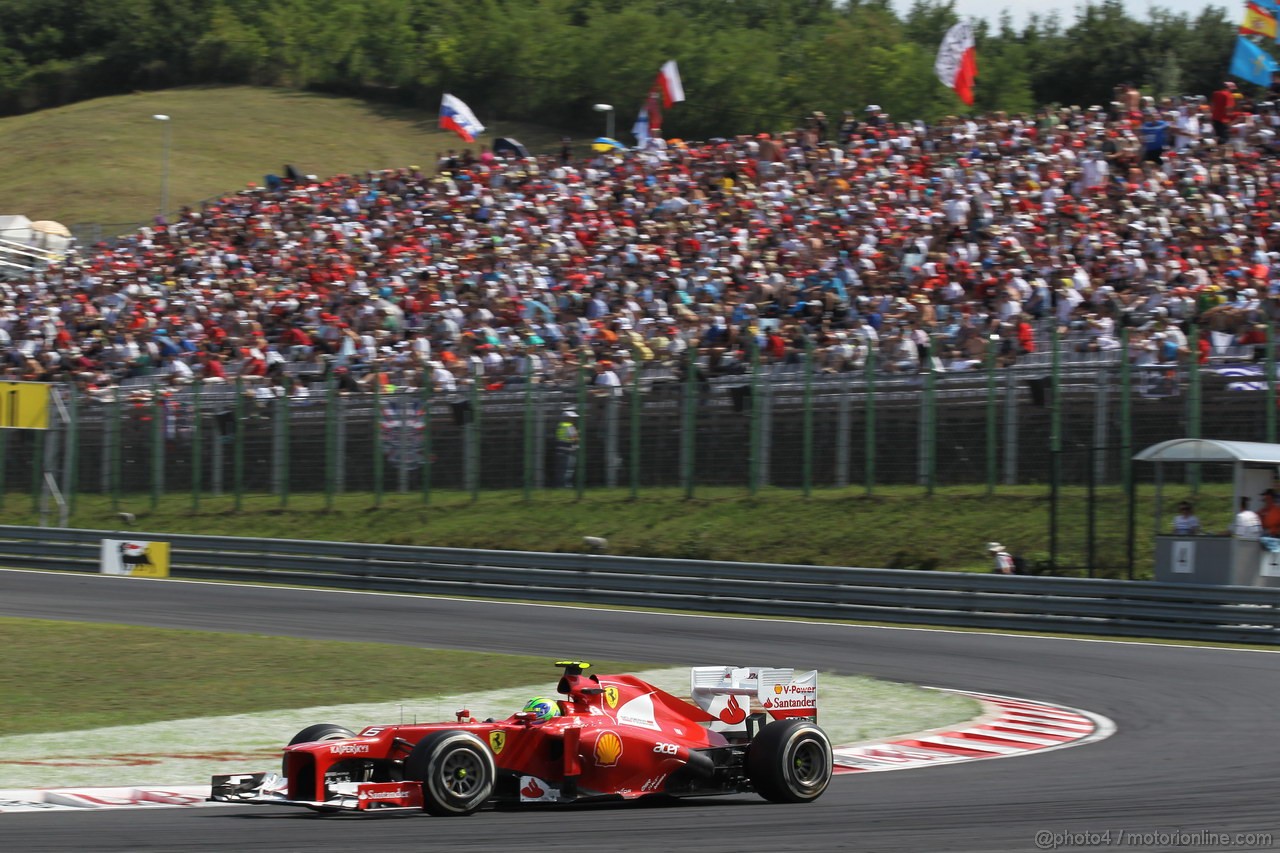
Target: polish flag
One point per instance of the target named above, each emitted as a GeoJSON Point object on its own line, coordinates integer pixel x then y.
{"type": "Point", "coordinates": [669, 84]}
{"type": "Point", "coordinates": [957, 62]}
{"type": "Point", "coordinates": [457, 116]}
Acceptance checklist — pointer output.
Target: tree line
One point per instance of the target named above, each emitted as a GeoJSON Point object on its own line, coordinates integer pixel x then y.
{"type": "Point", "coordinates": [748, 65]}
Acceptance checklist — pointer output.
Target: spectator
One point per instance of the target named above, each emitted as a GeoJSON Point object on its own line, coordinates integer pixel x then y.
{"type": "Point", "coordinates": [1270, 514]}
{"type": "Point", "coordinates": [1246, 524]}
{"type": "Point", "coordinates": [1003, 562]}
{"type": "Point", "coordinates": [567, 448]}
{"type": "Point", "coordinates": [1222, 111]}
{"type": "Point", "coordinates": [1185, 523]}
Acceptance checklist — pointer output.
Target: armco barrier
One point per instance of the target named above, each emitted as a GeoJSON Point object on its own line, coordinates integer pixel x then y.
{"type": "Point", "coordinates": [1067, 605]}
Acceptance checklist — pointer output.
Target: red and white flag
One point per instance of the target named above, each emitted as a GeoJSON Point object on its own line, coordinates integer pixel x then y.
{"type": "Point", "coordinates": [669, 84]}
{"type": "Point", "coordinates": [957, 62]}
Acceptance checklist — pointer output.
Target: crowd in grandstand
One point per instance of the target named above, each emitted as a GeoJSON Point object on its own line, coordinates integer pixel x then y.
{"type": "Point", "coordinates": [925, 247]}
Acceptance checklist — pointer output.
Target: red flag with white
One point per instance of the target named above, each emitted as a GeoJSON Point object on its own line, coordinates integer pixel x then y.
{"type": "Point", "coordinates": [669, 84]}
{"type": "Point", "coordinates": [957, 62]}
{"type": "Point", "coordinates": [457, 116]}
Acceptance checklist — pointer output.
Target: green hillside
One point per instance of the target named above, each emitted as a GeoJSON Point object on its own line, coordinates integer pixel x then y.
{"type": "Point", "coordinates": [101, 161]}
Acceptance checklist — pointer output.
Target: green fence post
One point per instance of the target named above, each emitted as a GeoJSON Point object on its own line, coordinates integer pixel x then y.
{"type": "Point", "coordinates": [117, 449]}
{"type": "Point", "coordinates": [73, 447]}
{"type": "Point", "coordinates": [238, 451]}
{"type": "Point", "coordinates": [869, 373]}
{"type": "Point", "coordinates": [806, 451]}
{"type": "Point", "coordinates": [1194, 403]}
{"type": "Point", "coordinates": [689, 421]}
{"type": "Point", "coordinates": [580, 472]}
{"type": "Point", "coordinates": [282, 412]}
{"type": "Point", "coordinates": [477, 378]}
{"type": "Point", "coordinates": [157, 444]}
{"type": "Point", "coordinates": [992, 426]}
{"type": "Point", "coordinates": [1055, 443]}
{"type": "Point", "coordinates": [635, 422]}
{"type": "Point", "coordinates": [526, 480]}
{"type": "Point", "coordinates": [197, 449]}
{"type": "Point", "coordinates": [930, 426]}
{"type": "Point", "coordinates": [330, 441]}
{"type": "Point", "coordinates": [37, 471]}
{"type": "Point", "coordinates": [1126, 450]}
{"type": "Point", "coordinates": [427, 389]}
{"type": "Point", "coordinates": [755, 438]}
{"type": "Point", "coordinates": [1126, 411]}
{"type": "Point", "coordinates": [1271, 384]}
{"type": "Point", "coordinates": [376, 444]}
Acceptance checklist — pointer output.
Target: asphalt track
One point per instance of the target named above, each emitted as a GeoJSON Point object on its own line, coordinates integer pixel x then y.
{"type": "Point", "coordinates": [1197, 746]}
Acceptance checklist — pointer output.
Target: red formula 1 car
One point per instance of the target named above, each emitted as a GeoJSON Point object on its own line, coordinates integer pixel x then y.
{"type": "Point", "coordinates": [616, 736]}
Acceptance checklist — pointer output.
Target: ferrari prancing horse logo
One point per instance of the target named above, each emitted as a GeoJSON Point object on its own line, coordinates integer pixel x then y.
{"type": "Point", "coordinates": [611, 696]}
{"type": "Point", "coordinates": [497, 740]}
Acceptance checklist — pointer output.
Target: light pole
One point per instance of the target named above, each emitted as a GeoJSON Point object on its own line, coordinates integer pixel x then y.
{"type": "Point", "coordinates": [164, 180]}
{"type": "Point", "coordinates": [608, 110]}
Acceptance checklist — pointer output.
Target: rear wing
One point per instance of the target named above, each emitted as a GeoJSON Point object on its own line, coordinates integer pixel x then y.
{"type": "Point", "coordinates": [731, 693]}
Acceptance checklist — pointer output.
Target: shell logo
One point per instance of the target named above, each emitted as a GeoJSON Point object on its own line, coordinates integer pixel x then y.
{"type": "Point", "coordinates": [777, 689]}
{"type": "Point", "coordinates": [608, 749]}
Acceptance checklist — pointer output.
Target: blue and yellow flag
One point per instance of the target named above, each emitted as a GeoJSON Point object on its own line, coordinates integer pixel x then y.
{"type": "Point", "coordinates": [1252, 63]}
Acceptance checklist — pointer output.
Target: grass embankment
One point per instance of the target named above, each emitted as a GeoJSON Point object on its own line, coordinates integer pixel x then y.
{"type": "Point", "coordinates": [97, 703]}
{"type": "Point", "coordinates": [102, 160]}
{"type": "Point", "coordinates": [896, 527]}
{"type": "Point", "coordinates": [60, 676]}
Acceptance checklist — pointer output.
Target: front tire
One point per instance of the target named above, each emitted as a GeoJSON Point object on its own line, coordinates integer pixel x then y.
{"type": "Point", "coordinates": [456, 770]}
{"type": "Point", "coordinates": [312, 734]}
{"type": "Point", "coordinates": [321, 731]}
{"type": "Point", "coordinates": [790, 761]}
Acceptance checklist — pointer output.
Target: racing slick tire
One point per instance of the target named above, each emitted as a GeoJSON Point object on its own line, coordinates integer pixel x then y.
{"type": "Point", "coordinates": [321, 731]}
{"type": "Point", "coordinates": [790, 762]}
{"type": "Point", "coordinates": [317, 732]}
{"type": "Point", "coordinates": [456, 770]}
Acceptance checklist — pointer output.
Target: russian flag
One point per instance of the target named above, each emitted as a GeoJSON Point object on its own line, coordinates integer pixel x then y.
{"type": "Point", "coordinates": [457, 116]}
{"type": "Point", "coordinates": [669, 84]}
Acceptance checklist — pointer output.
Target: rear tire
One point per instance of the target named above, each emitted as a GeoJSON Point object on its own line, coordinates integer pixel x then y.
{"type": "Point", "coordinates": [790, 762]}
{"type": "Point", "coordinates": [457, 772]}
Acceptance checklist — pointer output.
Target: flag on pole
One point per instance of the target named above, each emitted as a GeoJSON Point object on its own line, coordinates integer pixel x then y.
{"type": "Point", "coordinates": [1252, 63]}
{"type": "Point", "coordinates": [457, 116]}
{"type": "Point", "coordinates": [669, 84]}
{"type": "Point", "coordinates": [957, 62]}
{"type": "Point", "coordinates": [1258, 21]}
{"type": "Point", "coordinates": [640, 130]}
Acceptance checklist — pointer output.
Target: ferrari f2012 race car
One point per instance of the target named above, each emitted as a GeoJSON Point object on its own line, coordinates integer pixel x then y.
{"type": "Point", "coordinates": [614, 736]}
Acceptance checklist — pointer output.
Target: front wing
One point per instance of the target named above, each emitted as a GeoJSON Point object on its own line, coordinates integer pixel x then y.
{"type": "Point", "coordinates": [270, 789]}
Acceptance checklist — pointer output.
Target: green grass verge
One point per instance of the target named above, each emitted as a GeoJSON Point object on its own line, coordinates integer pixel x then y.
{"type": "Point", "coordinates": [189, 751]}
{"type": "Point", "coordinates": [62, 677]}
{"type": "Point", "coordinates": [101, 161]}
{"type": "Point", "coordinates": [896, 527]}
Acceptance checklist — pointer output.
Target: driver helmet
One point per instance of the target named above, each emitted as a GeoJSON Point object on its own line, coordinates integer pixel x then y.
{"type": "Point", "coordinates": [542, 709]}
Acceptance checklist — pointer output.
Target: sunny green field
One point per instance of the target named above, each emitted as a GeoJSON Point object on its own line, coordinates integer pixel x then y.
{"type": "Point", "coordinates": [64, 676]}
{"type": "Point", "coordinates": [101, 161]}
{"type": "Point", "coordinates": [898, 526]}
